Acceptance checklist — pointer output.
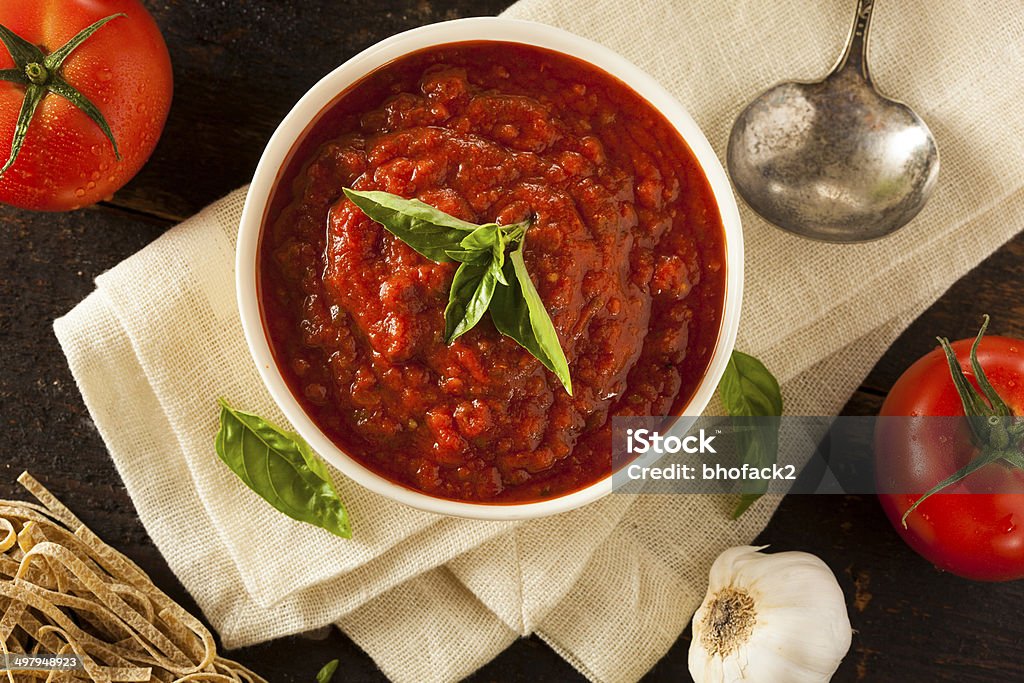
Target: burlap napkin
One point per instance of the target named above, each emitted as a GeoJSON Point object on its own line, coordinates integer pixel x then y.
{"type": "Point", "coordinates": [610, 586]}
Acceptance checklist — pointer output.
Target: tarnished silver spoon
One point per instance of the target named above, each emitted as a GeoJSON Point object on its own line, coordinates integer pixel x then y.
{"type": "Point", "coordinates": [834, 160]}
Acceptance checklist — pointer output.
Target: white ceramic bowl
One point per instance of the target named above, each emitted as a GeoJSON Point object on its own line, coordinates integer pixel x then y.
{"type": "Point", "coordinates": [322, 94]}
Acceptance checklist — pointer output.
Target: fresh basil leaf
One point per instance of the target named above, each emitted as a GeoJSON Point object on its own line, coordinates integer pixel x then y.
{"type": "Point", "coordinates": [281, 468]}
{"type": "Point", "coordinates": [757, 438]}
{"type": "Point", "coordinates": [498, 258]}
{"type": "Point", "coordinates": [468, 299]}
{"type": "Point", "coordinates": [487, 243]}
{"type": "Point", "coordinates": [327, 672]}
{"type": "Point", "coordinates": [518, 312]}
{"type": "Point", "coordinates": [482, 238]}
{"type": "Point", "coordinates": [428, 230]}
{"type": "Point", "coordinates": [749, 390]}
{"type": "Point", "coordinates": [477, 256]}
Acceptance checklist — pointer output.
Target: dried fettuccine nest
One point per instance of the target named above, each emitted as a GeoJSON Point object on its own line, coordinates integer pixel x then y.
{"type": "Point", "coordinates": [63, 591]}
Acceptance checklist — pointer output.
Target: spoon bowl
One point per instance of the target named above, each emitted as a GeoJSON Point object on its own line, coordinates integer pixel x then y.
{"type": "Point", "coordinates": [834, 160]}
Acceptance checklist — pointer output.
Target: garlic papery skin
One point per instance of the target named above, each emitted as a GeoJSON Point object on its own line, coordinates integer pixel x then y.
{"type": "Point", "coordinates": [769, 618]}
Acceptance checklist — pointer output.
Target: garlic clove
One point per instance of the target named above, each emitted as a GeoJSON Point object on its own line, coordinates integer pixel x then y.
{"type": "Point", "coordinates": [815, 659]}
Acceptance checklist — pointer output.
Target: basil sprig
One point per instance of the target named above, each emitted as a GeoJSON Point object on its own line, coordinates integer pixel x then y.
{"type": "Point", "coordinates": [281, 468]}
{"type": "Point", "coordinates": [749, 390]}
{"type": "Point", "coordinates": [487, 279]}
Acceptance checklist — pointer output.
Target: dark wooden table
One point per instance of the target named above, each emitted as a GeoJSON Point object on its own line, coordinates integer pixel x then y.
{"type": "Point", "coordinates": [238, 68]}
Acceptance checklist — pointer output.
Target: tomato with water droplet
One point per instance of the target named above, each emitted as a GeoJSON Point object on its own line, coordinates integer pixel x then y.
{"type": "Point", "coordinates": [974, 527]}
{"type": "Point", "coordinates": [123, 68]}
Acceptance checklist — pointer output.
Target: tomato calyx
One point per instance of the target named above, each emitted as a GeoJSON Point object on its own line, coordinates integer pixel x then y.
{"type": "Point", "coordinates": [37, 74]}
{"type": "Point", "coordinates": [995, 432]}
{"type": "Point", "coordinates": [40, 75]}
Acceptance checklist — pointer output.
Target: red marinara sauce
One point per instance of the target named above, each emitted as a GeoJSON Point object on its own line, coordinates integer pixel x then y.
{"type": "Point", "coordinates": [626, 249]}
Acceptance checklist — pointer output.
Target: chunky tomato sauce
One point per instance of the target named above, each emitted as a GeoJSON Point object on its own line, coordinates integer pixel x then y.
{"type": "Point", "coordinates": [626, 250]}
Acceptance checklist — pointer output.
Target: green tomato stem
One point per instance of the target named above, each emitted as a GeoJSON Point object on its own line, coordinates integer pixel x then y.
{"type": "Point", "coordinates": [37, 74]}
{"type": "Point", "coordinates": [40, 74]}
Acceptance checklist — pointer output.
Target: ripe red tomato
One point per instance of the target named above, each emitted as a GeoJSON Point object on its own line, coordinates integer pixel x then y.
{"type": "Point", "coordinates": [124, 69]}
{"type": "Point", "coordinates": [975, 535]}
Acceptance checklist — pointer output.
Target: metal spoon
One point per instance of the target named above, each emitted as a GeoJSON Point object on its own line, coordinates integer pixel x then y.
{"type": "Point", "coordinates": [834, 160]}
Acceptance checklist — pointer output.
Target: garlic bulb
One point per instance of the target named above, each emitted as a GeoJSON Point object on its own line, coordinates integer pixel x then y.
{"type": "Point", "coordinates": [777, 618]}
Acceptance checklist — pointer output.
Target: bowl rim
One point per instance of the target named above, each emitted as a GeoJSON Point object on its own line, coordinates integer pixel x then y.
{"type": "Point", "coordinates": [321, 95]}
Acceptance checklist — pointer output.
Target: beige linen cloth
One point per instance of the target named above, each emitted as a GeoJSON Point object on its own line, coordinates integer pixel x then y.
{"type": "Point", "coordinates": [609, 586]}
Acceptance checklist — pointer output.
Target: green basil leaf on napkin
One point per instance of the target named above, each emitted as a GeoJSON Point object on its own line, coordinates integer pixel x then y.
{"type": "Point", "coordinates": [468, 299]}
{"type": "Point", "coordinates": [327, 673]}
{"type": "Point", "coordinates": [428, 230]}
{"type": "Point", "coordinates": [758, 441]}
{"type": "Point", "coordinates": [281, 468]}
{"type": "Point", "coordinates": [518, 312]}
{"type": "Point", "coordinates": [748, 389]}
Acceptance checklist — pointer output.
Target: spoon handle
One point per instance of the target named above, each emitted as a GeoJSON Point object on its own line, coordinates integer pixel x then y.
{"type": "Point", "coordinates": [855, 54]}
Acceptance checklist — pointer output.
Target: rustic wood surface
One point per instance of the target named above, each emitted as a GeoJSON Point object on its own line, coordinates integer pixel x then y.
{"type": "Point", "coordinates": [239, 66]}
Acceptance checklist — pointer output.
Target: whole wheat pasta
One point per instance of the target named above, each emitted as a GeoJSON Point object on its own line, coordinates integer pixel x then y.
{"type": "Point", "coordinates": [63, 591]}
